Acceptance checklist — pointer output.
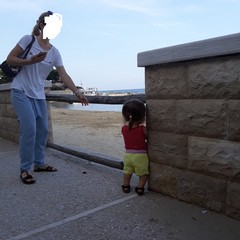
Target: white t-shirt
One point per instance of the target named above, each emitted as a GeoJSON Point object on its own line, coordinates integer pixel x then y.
{"type": "Point", "coordinates": [31, 78]}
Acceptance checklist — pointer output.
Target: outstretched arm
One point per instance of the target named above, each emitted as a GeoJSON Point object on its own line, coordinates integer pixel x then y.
{"type": "Point", "coordinates": [70, 84]}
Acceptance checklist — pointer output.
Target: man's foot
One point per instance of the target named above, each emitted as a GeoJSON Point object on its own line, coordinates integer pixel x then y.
{"type": "Point", "coordinates": [44, 168]}
{"type": "Point", "coordinates": [27, 178]}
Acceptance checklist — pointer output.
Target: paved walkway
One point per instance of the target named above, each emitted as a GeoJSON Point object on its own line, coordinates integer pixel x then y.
{"type": "Point", "coordinates": [84, 201]}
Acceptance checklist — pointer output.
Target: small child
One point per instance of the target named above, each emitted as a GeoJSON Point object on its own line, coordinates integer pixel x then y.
{"type": "Point", "coordinates": [135, 139]}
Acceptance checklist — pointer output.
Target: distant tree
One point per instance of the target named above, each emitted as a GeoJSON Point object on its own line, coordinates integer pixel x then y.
{"type": "Point", "coordinates": [53, 75]}
{"type": "Point", "coordinates": [4, 78]}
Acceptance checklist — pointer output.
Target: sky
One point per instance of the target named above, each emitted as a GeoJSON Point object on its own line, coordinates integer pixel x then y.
{"type": "Point", "coordinates": [100, 39]}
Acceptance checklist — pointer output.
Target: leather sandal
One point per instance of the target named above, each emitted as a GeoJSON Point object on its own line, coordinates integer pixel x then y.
{"type": "Point", "coordinates": [139, 191]}
{"type": "Point", "coordinates": [126, 189]}
{"type": "Point", "coordinates": [28, 179]}
{"type": "Point", "coordinates": [44, 168]}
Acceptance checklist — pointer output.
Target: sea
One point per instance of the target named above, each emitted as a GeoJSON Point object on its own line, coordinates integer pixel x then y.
{"type": "Point", "coordinates": [105, 107]}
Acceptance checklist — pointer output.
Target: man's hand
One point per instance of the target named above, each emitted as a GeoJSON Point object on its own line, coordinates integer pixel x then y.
{"type": "Point", "coordinates": [38, 57]}
{"type": "Point", "coordinates": [82, 99]}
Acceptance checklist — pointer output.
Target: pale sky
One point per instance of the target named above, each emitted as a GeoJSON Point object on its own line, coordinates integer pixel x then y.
{"type": "Point", "coordinates": [100, 39]}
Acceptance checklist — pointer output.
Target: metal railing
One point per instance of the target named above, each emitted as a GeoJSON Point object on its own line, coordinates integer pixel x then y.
{"type": "Point", "coordinates": [100, 99]}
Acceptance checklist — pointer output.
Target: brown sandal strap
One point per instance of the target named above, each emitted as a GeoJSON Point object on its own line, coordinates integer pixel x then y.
{"type": "Point", "coordinates": [45, 168]}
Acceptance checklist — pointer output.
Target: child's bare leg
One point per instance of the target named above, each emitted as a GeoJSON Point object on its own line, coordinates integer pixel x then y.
{"type": "Point", "coordinates": [142, 181]}
{"type": "Point", "coordinates": [126, 182]}
{"type": "Point", "coordinates": [140, 187]}
{"type": "Point", "coordinates": [127, 179]}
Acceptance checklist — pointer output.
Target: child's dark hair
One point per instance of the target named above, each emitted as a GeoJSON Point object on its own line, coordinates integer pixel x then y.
{"type": "Point", "coordinates": [133, 111]}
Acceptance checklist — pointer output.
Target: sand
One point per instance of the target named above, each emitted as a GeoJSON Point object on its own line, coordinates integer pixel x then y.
{"type": "Point", "coordinates": [93, 131]}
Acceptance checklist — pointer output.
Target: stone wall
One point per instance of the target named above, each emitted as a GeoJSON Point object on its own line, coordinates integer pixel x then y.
{"type": "Point", "coordinates": [9, 126]}
{"type": "Point", "coordinates": [193, 119]}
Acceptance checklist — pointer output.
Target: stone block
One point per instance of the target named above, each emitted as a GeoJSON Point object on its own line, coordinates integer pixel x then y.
{"type": "Point", "coordinates": [204, 118]}
{"type": "Point", "coordinates": [215, 78]}
{"type": "Point", "coordinates": [6, 110]}
{"type": "Point", "coordinates": [2, 109]}
{"type": "Point", "coordinates": [168, 149]}
{"type": "Point", "coordinates": [233, 113]}
{"type": "Point", "coordinates": [11, 136]}
{"type": "Point", "coordinates": [9, 124]}
{"type": "Point", "coordinates": [10, 111]}
{"type": "Point", "coordinates": [233, 200]}
{"type": "Point", "coordinates": [205, 191]}
{"type": "Point", "coordinates": [166, 81]}
{"type": "Point", "coordinates": [215, 157]}
{"type": "Point", "coordinates": [163, 179]}
{"type": "Point", "coordinates": [5, 97]}
{"type": "Point", "coordinates": [161, 115]}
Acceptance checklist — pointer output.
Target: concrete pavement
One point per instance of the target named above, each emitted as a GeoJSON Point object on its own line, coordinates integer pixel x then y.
{"type": "Point", "coordinates": [84, 201]}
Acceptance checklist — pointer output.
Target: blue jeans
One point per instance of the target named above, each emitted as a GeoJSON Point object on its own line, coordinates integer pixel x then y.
{"type": "Point", "coordinates": [33, 118]}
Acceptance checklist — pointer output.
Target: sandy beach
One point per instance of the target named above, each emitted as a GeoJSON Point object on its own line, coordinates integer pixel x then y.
{"type": "Point", "coordinates": [93, 131]}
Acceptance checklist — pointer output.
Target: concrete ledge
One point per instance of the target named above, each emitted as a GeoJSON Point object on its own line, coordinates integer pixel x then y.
{"type": "Point", "coordinates": [226, 45]}
{"type": "Point", "coordinates": [7, 86]}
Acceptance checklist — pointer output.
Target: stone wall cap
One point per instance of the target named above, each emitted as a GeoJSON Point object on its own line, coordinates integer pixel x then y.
{"type": "Point", "coordinates": [219, 46]}
{"type": "Point", "coordinates": [7, 86]}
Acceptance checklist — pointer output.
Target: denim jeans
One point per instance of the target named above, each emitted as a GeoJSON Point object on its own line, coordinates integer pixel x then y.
{"type": "Point", "coordinates": [33, 118]}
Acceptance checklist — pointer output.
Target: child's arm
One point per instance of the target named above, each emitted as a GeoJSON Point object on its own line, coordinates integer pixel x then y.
{"type": "Point", "coordinates": [145, 132]}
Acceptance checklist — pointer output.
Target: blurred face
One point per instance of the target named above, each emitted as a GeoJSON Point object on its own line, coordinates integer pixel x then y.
{"type": "Point", "coordinates": [53, 25]}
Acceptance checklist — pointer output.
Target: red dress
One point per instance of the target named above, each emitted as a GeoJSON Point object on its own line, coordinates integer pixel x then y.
{"type": "Point", "coordinates": [134, 139]}
{"type": "Point", "coordinates": [136, 158]}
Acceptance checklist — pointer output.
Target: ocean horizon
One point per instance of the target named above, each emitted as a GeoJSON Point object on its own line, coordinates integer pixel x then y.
{"type": "Point", "coordinates": [104, 107]}
{"type": "Point", "coordinates": [129, 91]}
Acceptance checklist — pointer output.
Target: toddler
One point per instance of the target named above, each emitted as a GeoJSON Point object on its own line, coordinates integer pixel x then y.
{"type": "Point", "coordinates": [135, 140]}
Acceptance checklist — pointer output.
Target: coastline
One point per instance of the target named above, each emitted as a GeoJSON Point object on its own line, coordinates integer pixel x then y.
{"type": "Point", "coordinates": [94, 131]}
{"type": "Point", "coordinates": [94, 128]}
{"type": "Point", "coordinates": [90, 107]}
